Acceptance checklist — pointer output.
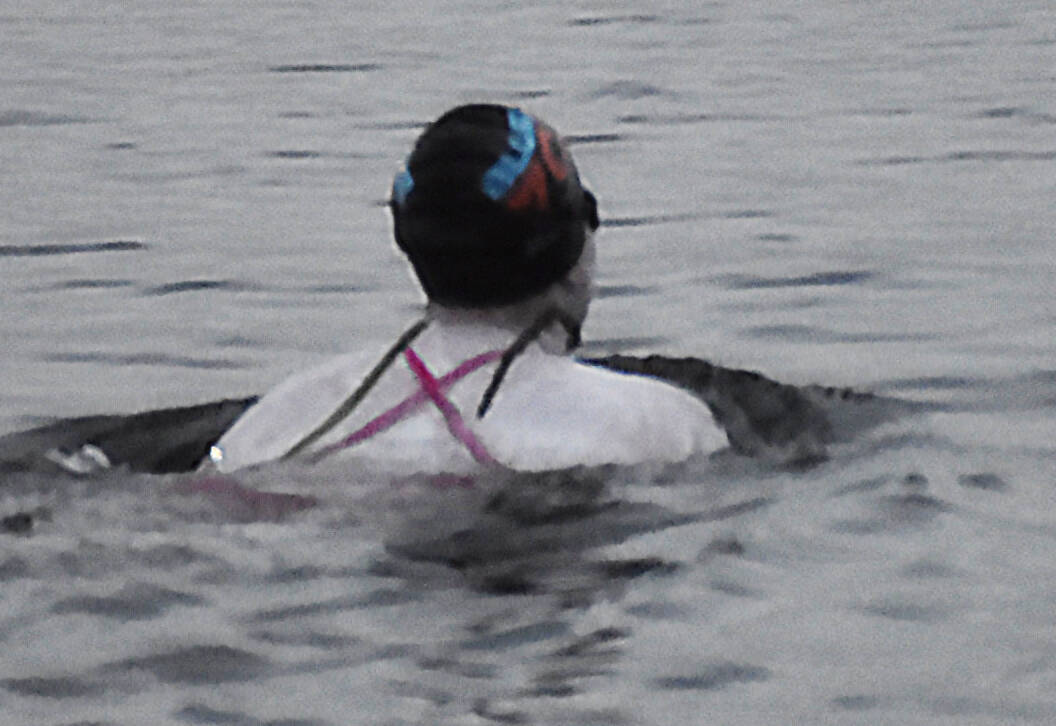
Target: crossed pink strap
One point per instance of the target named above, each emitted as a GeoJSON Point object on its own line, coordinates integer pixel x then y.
{"type": "Point", "coordinates": [432, 389]}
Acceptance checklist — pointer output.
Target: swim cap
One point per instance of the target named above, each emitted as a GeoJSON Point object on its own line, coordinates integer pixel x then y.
{"type": "Point", "coordinates": [490, 209]}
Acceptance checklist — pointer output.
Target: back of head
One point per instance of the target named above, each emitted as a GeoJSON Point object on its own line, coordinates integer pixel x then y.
{"type": "Point", "coordinates": [490, 210]}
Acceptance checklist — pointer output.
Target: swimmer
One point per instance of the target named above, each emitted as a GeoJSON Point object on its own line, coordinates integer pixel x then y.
{"type": "Point", "coordinates": [492, 215]}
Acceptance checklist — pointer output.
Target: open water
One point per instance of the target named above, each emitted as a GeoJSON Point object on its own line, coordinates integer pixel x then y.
{"type": "Point", "coordinates": [846, 193]}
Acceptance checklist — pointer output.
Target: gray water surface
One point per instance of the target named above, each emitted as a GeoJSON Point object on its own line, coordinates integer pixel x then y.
{"type": "Point", "coordinates": [851, 194]}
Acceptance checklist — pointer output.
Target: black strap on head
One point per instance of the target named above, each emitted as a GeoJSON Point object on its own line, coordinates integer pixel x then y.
{"type": "Point", "coordinates": [528, 335]}
{"type": "Point", "coordinates": [349, 404]}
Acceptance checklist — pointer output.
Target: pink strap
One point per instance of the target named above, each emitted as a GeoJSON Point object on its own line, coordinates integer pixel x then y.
{"type": "Point", "coordinates": [455, 424]}
{"type": "Point", "coordinates": [412, 403]}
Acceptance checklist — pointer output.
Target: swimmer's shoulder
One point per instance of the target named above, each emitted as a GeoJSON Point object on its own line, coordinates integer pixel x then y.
{"type": "Point", "coordinates": [290, 410]}
{"type": "Point", "coordinates": [560, 412]}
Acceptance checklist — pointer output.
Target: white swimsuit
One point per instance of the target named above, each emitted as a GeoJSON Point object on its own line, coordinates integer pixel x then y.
{"type": "Point", "coordinates": [551, 412]}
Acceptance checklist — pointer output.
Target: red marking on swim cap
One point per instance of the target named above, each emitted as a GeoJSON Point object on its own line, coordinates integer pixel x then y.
{"type": "Point", "coordinates": [530, 191]}
{"type": "Point", "coordinates": [550, 149]}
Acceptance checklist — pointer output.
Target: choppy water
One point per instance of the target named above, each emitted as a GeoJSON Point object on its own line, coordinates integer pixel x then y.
{"type": "Point", "coordinates": [855, 194]}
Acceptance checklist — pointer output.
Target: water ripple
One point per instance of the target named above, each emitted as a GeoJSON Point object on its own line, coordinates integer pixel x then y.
{"type": "Point", "coordinates": [340, 288]}
{"type": "Point", "coordinates": [576, 139]}
{"type": "Point", "coordinates": [301, 154]}
{"type": "Point", "coordinates": [199, 665]}
{"type": "Point", "coordinates": [648, 220]}
{"type": "Point", "coordinates": [144, 359]}
{"type": "Point", "coordinates": [294, 154]}
{"type": "Point", "coordinates": [605, 291]}
{"type": "Point", "coordinates": [90, 284]}
{"type": "Point", "coordinates": [168, 557]}
{"type": "Point", "coordinates": [937, 383]}
{"type": "Point", "coordinates": [694, 118]}
{"type": "Point", "coordinates": [532, 94]}
{"type": "Point", "coordinates": [855, 702]}
{"type": "Point", "coordinates": [608, 345]}
{"type": "Point", "coordinates": [817, 279]}
{"type": "Point", "coordinates": [998, 155]}
{"type": "Point", "coordinates": [69, 248]}
{"type": "Point", "coordinates": [58, 687]}
{"type": "Point", "coordinates": [326, 68]}
{"type": "Point", "coordinates": [136, 601]}
{"type": "Point", "coordinates": [199, 713]}
{"type": "Point", "coordinates": [905, 611]}
{"type": "Point", "coordinates": [170, 288]}
{"type": "Point", "coordinates": [391, 125]}
{"type": "Point", "coordinates": [629, 90]}
{"type": "Point", "coordinates": [20, 117]}
{"type": "Point", "coordinates": [306, 638]}
{"type": "Point", "coordinates": [13, 568]}
{"type": "Point", "coordinates": [983, 155]}
{"type": "Point", "coordinates": [812, 334]}
{"type": "Point", "coordinates": [912, 508]}
{"type": "Point", "coordinates": [516, 637]}
{"type": "Point", "coordinates": [597, 20]}
{"type": "Point", "coordinates": [714, 677]}
{"type": "Point", "coordinates": [748, 214]}
{"type": "Point", "coordinates": [382, 597]}
{"type": "Point", "coordinates": [983, 480]}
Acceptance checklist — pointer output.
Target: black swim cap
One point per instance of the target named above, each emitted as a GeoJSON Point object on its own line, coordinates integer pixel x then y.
{"type": "Point", "coordinates": [490, 209]}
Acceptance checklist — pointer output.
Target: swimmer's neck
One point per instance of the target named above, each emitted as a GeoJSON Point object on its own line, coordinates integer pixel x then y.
{"type": "Point", "coordinates": [571, 295]}
{"type": "Point", "coordinates": [513, 319]}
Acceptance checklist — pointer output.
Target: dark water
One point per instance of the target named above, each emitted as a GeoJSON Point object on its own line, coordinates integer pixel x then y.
{"type": "Point", "coordinates": [846, 194]}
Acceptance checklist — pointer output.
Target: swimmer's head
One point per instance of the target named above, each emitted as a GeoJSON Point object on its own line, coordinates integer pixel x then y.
{"type": "Point", "coordinates": [490, 209]}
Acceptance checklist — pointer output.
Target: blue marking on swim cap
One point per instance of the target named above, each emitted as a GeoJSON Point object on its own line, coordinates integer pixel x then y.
{"type": "Point", "coordinates": [402, 186]}
{"type": "Point", "coordinates": [499, 179]}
